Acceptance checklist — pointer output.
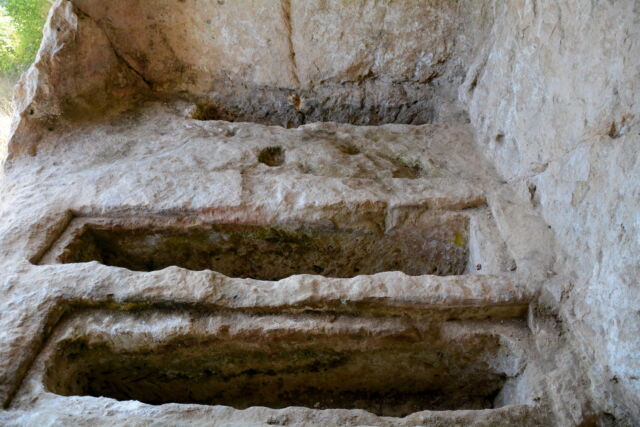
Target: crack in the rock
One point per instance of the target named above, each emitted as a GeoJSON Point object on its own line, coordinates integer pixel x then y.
{"type": "Point", "coordinates": [126, 63]}
{"type": "Point", "coordinates": [286, 12]}
{"type": "Point", "coordinates": [115, 50]}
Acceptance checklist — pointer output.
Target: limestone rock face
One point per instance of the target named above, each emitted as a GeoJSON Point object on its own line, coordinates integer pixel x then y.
{"type": "Point", "coordinates": [74, 46]}
{"type": "Point", "coordinates": [323, 212]}
{"type": "Point", "coordinates": [555, 100]}
{"type": "Point", "coordinates": [370, 62]}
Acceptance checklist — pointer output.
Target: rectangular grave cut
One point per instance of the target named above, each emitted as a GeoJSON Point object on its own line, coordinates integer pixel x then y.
{"type": "Point", "coordinates": [267, 252]}
{"type": "Point", "coordinates": [386, 366]}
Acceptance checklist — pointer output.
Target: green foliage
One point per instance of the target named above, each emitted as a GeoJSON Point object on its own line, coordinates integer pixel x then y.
{"type": "Point", "coordinates": [8, 40]}
{"type": "Point", "coordinates": [21, 24]}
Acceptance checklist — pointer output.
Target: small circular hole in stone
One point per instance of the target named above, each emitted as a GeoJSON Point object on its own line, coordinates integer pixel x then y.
{"type": "Point", "coordinates": [271, 156]}
{"type": "Point", "coordinates": [348, 148]}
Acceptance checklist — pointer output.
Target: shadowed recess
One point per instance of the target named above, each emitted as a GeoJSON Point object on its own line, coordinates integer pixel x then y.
{"type": "Point", "coordinates": [273, 253]}
{"type": "Point", "coordinates": [394, 373]}
{"type": "Point", "coordinates": [407, 103]}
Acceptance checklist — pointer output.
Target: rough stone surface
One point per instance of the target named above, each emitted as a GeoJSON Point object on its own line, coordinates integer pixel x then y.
{"type": "Point", "coordinates": [492, 143]}
{"type": "Point", "coordinates": [555, 99]}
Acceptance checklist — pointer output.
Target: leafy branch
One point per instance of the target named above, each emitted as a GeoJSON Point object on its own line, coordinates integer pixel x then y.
{"type": "Point", "coordinates": [21, 24]}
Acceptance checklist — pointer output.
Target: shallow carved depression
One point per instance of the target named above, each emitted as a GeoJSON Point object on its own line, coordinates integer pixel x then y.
{"type": "Point", "coordinates": [270, 253]}
{"type": "Point", "coordinates": [384, 366]}
{"type": "Point", "coordinates": [371, 103]}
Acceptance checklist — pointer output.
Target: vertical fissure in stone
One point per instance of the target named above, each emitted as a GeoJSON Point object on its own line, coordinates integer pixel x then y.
{"type": "Point", "coordinates": [286, 13]}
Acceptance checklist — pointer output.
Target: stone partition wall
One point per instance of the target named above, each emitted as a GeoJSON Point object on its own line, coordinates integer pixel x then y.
{"type": "Point", "coordinates": [324, 212]}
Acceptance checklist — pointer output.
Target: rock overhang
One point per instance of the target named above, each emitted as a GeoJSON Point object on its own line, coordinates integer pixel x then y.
{"type": "Point", "coordinates": [283, 62]}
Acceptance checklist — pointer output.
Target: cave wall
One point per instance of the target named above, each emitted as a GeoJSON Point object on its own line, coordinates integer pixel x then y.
{"type": "Point", "coordinates": [285, 63]}
{"type": "Point", "coordinates": [554, 95]}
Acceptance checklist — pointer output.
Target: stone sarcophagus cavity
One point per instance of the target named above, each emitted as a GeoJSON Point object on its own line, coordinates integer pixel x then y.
{"type": "Point", "coordinates": [436, 246]}
{"type": "Point", "coordinates": [387, 366]}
